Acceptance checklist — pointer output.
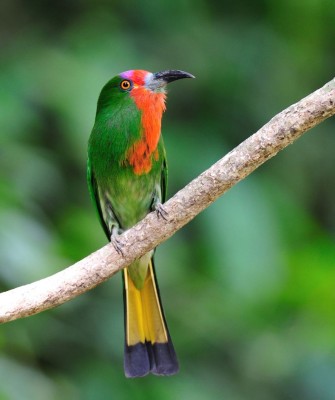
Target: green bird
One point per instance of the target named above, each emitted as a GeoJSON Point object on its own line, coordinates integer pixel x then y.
{"type": "Point", "coordinates": [127, 179]}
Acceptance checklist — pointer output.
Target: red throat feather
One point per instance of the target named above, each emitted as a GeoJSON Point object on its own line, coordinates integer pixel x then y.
{"type": "Point", "coordinates": [152, 106]}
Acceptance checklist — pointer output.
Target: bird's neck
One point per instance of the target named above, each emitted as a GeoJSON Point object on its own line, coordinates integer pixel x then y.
{"type": "Point", "coordinates": [144, 150]}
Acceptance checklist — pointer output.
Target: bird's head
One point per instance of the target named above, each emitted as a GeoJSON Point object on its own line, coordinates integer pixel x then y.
{"type": "Point", "coordinates": [153, 82]}
{"type": "Point", "coordinates": [131, 105]}
{"type": "Point", "coordinates": [141, 86]}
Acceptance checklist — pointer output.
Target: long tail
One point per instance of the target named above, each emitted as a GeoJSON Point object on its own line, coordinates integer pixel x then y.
{"type": "Point", "coordinates": [148, 346]}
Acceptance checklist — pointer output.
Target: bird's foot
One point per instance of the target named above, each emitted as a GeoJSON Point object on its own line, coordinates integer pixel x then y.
{"type": "Point", "coordinates": [161, 212]}
{"type": "Point", "coordinates": [117, 242]}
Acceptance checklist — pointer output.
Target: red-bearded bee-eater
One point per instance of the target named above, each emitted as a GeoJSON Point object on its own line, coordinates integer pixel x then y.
{"type": "Point", "coordinates": [127, 178]}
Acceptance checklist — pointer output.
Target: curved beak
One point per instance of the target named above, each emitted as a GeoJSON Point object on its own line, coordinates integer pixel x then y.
{"type": "Point", "coordinates": [171, 75]}
{"type": "Point", "coordinates": [161, 79]}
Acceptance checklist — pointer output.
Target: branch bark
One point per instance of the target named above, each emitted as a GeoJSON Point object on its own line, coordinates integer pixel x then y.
{"type": "Point", "coordinates": [279, 132]}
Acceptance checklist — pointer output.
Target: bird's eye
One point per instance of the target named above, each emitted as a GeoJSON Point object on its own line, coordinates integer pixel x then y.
{"type": "Point", "coordinates": [125, 85]}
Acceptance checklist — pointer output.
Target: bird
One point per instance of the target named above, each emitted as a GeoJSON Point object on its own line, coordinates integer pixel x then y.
{"type": "Point", "coordinates": [127, 179]}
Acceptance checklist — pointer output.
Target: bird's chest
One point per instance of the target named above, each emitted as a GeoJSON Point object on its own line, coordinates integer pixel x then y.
{"type": "Point", "coordinates": [127, 165]}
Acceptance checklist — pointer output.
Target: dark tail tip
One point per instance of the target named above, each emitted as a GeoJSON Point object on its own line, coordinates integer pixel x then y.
{"type": "Point", "coordinates": [142, 358]}
{"type": "Point", "coordinates": [136, 360]}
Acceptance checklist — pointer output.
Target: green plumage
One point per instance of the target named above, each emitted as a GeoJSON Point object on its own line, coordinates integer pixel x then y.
{"type": "Point", "coordinates": [122, 198]}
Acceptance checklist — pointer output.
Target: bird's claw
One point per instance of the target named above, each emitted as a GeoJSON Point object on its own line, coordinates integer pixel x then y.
{"type": "Point", "coordinates": [161, 212]}
{"type": "Point", "coordinates": [117, 243]}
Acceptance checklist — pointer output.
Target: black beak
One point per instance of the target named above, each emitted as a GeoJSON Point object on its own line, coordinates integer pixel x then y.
{"type": "Point", "coordinates": [171, 75]}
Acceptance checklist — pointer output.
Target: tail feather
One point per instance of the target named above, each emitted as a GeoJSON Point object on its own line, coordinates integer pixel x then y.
{"type": "Point", "coordinates": [148, 346]}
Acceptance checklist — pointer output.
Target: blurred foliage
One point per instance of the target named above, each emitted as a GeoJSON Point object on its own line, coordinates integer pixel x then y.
{"type": "Point", "coordinates": [249, 285]}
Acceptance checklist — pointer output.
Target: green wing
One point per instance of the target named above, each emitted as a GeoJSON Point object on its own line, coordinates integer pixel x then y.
{"type": "Point", "coordinates": [94, 192]}
{"type": "Point", "coordinates": [164, 173]}
{"type": "Point", "coordinates": [164, 179]}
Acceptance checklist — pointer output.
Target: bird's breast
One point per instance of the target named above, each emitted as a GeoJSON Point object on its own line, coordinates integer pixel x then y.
{"type": "Point", "coordinates": [143, 151]}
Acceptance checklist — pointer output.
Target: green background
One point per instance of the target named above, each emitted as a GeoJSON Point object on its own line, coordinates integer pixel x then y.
{"type": "Point", "coordinates": [249, 285]}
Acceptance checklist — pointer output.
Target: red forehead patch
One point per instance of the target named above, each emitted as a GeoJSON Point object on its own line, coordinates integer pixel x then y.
{"type": "Point", "coordinates": [136, 75]}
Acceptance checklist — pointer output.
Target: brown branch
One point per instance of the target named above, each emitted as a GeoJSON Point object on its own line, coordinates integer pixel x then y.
{"type": "Point", "coordinates": [282, 130]}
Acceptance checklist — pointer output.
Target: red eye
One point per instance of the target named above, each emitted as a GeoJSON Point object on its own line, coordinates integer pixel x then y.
{"type": "Point", "coordinates": [125, 85]}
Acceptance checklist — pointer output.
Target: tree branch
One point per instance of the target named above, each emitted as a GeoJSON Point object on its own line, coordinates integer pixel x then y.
{"type": "Point", "coordinates": [282, 130]}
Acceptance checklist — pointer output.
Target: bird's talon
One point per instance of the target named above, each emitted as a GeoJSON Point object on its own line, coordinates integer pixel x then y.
{"type": "Point", "coordinates": [117, 243]}
{"type": "Point", "coordinates": [161, 212]}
